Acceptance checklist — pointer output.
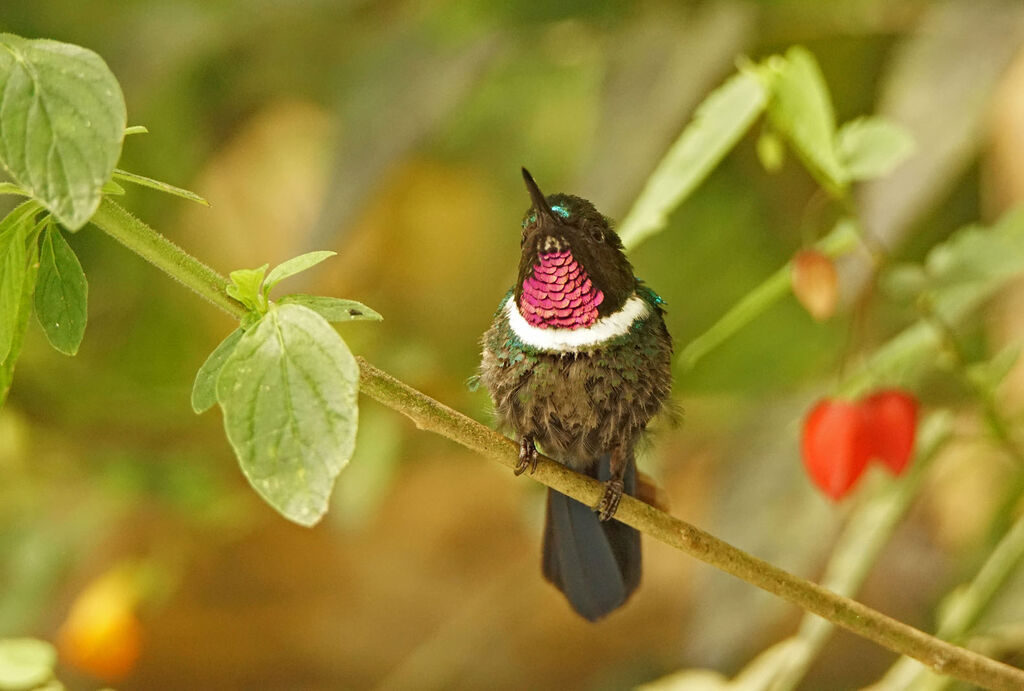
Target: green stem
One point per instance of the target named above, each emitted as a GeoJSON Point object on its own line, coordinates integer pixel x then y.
{"type": "Point", "coordinates": [995, 419]}
{"type": "Point", "coordinates": [842, 239]}
{"type": "Point", "coordinates": [434, 416]}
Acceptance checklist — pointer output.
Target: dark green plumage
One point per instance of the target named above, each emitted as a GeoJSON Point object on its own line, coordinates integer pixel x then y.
{"type": "Point", "coordinates": [583, 393]}
{"type": "Point", "coordinates": [578, 405]}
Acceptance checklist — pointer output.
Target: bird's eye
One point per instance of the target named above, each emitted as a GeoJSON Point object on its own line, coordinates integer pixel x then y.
{"type": "Point", "coordinates": [597, 235]}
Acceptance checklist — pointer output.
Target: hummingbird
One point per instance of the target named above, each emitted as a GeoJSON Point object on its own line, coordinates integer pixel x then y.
{"type": "Point", "coordinates": [577, 361]}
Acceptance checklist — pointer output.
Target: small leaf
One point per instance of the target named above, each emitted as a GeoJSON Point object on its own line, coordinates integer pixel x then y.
{"type": "Point", "coordinates": [771, 151]}
{"type": "Point", "coordinates": [288, 393]}
{"type": "Point", "coordinates": [11, 188]}
{"type": "Point", "coordinates": [245, 286]}
{"type": "Point", "coordinates": [990, 373]}
{"type": "Point", "coordinates": [25, 663]}
{"type": "Point", "coordinates": [204, 390]}
{"type": "Point", "coordinates": [333, 309]}
{"type": "Point", "coordinates": [801, 109]}
{"type": "Point", "coordinates": [61, 294]}
{"type": "Point", "coordinates": [143, 181]}
{"type": "Point", "coordinates": [904, 282]}
{"type": "Point", "coordinates": [293, 266]}
{"type": "Point", "coordinates": [62, 121]}
{"type": "Point", "coordinates": [719, 122]}
{"type": "Point", "coordinates": [871, 147]}
{"type": "Point", "coordinates": [135, 129]}
{"type": "Point", "coordinates": [111, 187]}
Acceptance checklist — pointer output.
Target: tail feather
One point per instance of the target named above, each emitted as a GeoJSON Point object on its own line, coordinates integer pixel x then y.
{"type": "Point", "coordinates": [595, 564]}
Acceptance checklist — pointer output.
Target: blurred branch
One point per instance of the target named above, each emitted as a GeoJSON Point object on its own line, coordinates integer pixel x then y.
{"type": "Point", "coordinates": [434, 416]}
{"type": "Point", "coordinates": [867, 531]}
{"type": "Point", "coordinates": [961, 609]}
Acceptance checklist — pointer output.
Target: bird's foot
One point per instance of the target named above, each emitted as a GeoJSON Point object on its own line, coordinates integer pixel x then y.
{"type": "Point", "coordinates": [610, 499]}
{"type": "Point", "coordinates": [527, 456]}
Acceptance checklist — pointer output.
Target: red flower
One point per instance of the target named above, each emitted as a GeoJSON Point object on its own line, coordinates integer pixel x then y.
{"type": "Point", "coordinates": [836, 446]}
{"type": "Point", "coordinates": [892, 418]}
{"type": "Point", "coordinates": [840, 437]}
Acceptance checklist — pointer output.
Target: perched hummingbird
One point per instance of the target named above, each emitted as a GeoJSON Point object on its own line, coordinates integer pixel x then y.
{"type": "Point", "coordinates": [577, 362]}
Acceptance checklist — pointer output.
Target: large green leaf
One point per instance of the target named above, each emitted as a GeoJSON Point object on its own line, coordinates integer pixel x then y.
{"type": "Point", "coordinates": [62, 120]}
{"type": "Point", "coordinates": [18, 313]}
{"type": "Point", "coordinates": [288, 392]}
{"type": "Point", "coordinates": [717, 125]}
{"type": "Point", "coordinates": [204, 390]}
{"type": "Point", "coordinates": [801, 108]}
{"type": "Point", "coordinates": [14, 229]}
{"type": "Point", "coordinates": [61, 294]}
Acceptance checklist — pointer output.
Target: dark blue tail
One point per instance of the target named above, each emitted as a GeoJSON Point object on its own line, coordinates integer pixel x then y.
{"type": "Point", "coordinates": [596, 564]}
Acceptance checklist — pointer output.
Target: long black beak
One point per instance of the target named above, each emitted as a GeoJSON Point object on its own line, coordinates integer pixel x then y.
{"type": "Point", "coordinates": [544, 213]}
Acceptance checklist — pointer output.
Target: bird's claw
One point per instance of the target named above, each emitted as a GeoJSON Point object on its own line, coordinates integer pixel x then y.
{"type": "Point", "coordinates": [610, 499]}
{"type": "Point", "coordinates": [527, 456]}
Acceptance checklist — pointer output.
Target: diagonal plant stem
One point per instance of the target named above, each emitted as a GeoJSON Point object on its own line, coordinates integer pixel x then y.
{"type": "Point", "coordinates": [431, 415]}
{"type": "Point", "coordinates": [867, 532]}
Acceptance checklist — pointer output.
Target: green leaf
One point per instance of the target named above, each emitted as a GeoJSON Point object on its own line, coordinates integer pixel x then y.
{"type": "Point", "coordinates": [871, 147]}
{"type": "Point", "coordinates": [293, 266]}
{"type": "Point", "coordinates": [135, 129]}
{"type": "Point", "coordinates": [962, 272]}
{"type": "Point", "coordinates": [204, 390]}
{"type": "Point", "coordinates": [62, 121]}
{"type": "Point", "coordinates": [61, 293]}
{"type": "Point", "coordinates": [904, 282]}
{"type": "Point", "coordinates": [717, 125]}
{"type": "Point", "coordinates": [143, 181]}
{"type": "Point", "coordinates": [333, 309]}
{"type": "Point", "coordinates": [288, 392]}
{"type": "Point", "coordinates": [989, 374]}
{"type": "Point", "coordinates": [11, 188]}
{"type": "Point", "coordinates": [25, 663]}
{"type": "Point", "coordinates": [14, 230]}
{"type": "Point", "coordinates": [771, 151]}
{"type": "Point", "coordinates": [22, 310]}
{"type": "Point", "coordinates": [801, 109]}
{"type": "Point", "coordinates": [111, 187]}
{"type": "Point", "coordinates": [976, 254]}
{"type": "Point", "coordinates": [245, 286]}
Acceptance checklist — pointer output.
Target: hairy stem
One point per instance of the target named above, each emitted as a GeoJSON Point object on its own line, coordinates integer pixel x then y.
{"type": "Point", "coordinates": [433, 416]}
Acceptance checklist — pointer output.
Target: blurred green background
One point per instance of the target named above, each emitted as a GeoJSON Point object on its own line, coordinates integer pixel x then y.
{"type": "Point", "coordinates": [393, 133]}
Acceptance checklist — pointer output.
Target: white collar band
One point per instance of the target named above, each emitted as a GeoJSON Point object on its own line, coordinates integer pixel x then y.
{"type": "Point", "coordinates": [572, 340]}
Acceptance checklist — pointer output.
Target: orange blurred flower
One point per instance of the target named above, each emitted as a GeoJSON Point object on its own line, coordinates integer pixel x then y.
{"type": "Point", "coordinates": [102, 635]}
{"type": "Point", "coordinates": [815, 283]}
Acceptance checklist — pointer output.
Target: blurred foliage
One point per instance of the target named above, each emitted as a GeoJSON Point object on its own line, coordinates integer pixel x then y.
{"type": "Point", "coordinates": [393, 133]}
